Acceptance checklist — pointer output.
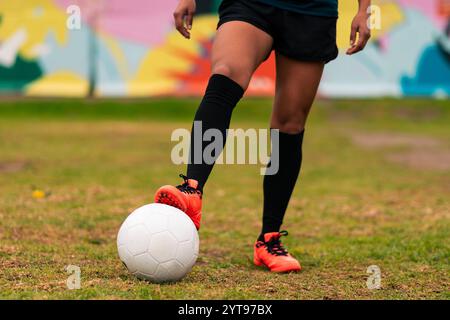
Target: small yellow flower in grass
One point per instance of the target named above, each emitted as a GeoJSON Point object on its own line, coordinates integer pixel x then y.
{"type": "Point", "coordinates": [38, 194]}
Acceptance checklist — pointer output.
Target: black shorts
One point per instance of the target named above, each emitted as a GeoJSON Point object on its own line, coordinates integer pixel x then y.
{"type": "Point", "coordinates": [298, 36]}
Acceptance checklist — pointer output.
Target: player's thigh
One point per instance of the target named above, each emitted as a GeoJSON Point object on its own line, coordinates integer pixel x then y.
{"type": "Point", "coordinates": [238, 49]}
{"type": "Point", "coordinates": [296, 87]}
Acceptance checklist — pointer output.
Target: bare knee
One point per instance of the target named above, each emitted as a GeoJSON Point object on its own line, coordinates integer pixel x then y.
{"type": "Point", "coordinates": [289, 127]}
{"type": "Point", "coordinates": [236, 73]}
{"type": "Point", "coordinates": [289, 123]}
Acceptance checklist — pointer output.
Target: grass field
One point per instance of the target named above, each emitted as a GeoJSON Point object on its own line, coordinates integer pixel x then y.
{"type": "Point", "coordinates": [374, 190]}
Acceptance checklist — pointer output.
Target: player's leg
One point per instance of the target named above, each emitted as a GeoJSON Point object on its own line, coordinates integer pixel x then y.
{"type": "Point", "coordinates": [238, 49]}
{"type": "Point", "coordinates": [296, 87]}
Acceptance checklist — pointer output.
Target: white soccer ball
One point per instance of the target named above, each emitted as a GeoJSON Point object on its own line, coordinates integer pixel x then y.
{"type": "Point", "coordinates": [158, 243]}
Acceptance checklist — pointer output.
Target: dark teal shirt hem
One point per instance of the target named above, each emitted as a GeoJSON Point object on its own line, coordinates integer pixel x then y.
{"type": "Point", "coordinates": [313, 7]}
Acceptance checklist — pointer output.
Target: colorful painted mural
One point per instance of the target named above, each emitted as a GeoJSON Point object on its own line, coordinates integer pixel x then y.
{"type": "Point", "coordinates": [130, 48]}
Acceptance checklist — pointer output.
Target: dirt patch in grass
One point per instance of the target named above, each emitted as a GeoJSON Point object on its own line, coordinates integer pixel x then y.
{"type": "Point", "coordinates": [435, 160]}
{"type": "Point", "coordinates": [12, 166]}
{"type": "Point", "coordinates": [383, 140]}
{"type": "Point", "coordinates": [417, 152]}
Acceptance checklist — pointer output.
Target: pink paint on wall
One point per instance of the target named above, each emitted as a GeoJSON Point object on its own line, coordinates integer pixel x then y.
{"type": "Point", "coordinates": [140, 21]}
{"type": "Point", "coordinates": [428, 7]}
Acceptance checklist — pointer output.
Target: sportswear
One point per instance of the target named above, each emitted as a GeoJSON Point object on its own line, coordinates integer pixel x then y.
{"type": "Point", "coordinates": [221, 96]}
{"type": "Point", "coordinates": [185, 197]}
{"type": "Point", "coordinates": [278, 187]}
{"type": "Point", "coordinates": [299, 36]}
{"type": "Point", "coordinates": [270, 252]}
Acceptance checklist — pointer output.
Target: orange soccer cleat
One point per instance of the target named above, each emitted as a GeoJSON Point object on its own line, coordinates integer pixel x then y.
{"type": "Point", "coordinates": [270, 253]}
{"type": "Point", "coordinates": [185, 197]}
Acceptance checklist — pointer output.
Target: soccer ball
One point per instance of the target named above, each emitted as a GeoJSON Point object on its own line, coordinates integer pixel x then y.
{"type": "Point", "coordinates": [158, 243]}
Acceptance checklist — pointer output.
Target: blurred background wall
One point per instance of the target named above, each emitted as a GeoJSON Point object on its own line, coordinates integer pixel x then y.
{"type": "Point", "coordinates": [130, 48]}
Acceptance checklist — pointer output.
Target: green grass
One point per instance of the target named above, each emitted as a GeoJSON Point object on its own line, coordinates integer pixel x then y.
{"type": "Point", "coordinates": [353, 206]}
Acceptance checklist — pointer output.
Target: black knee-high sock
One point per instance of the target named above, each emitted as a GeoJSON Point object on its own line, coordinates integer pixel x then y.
{"type": "Point", "coordinates": [214, 112]}
{"type": "Point", "coordinates": [278, 187]}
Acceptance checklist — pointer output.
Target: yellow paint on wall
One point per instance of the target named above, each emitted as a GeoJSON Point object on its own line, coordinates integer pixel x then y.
{"type": "Point", "coordinates": [153, 77]}
{"type": "Point", "coordinates": [62, 84]}
{"type": "Point", "coordinates": [36, 18]}
{"type": "Point", "coordinates": [391, 16]}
